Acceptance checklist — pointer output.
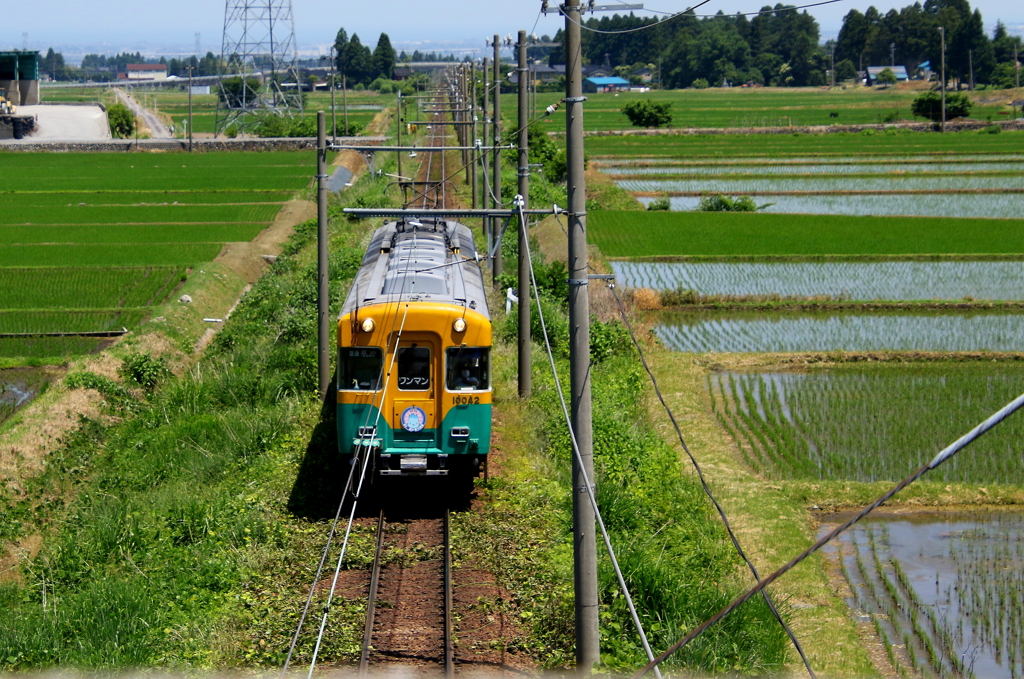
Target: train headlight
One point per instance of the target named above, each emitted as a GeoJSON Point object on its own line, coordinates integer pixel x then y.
{"type": "Point", "coordinates": [459, 325]}
{"type": "Point", "coordinates": [367, 325]}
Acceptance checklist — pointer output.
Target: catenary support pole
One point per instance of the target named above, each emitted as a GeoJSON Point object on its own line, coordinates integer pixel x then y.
{"type": "Point", "coordinates": [588, 651]}
{"type": "Point", "coordinates": [523, 170]}
{"type": "Point", "coordinates": [496, 267]}
{"type": "Point", "coordinates": [484, 166]}
{"type": "Point", "coordinates": [472, 142]}
{"type": "Point", "coordinates": [323, 348]}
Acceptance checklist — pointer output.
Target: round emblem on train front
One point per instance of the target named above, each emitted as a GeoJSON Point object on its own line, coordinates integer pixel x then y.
{"type": "Point", "coordinates": [413, 419]}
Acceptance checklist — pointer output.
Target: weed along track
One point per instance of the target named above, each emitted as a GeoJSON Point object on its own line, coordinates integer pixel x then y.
{"type": "Point", "coordinates": [409, 608]}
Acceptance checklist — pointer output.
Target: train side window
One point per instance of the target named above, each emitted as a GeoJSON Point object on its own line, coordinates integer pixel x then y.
{"type": "Point", "coordinates": [468, 368]}
{"type": "Point", "coordinates": [414, 368]}
{"type": "Point", "coordinates": [360, 368]}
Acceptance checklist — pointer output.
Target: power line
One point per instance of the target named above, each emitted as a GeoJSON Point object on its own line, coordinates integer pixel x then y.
{"type": "Point", "coordinates": [673, 15]}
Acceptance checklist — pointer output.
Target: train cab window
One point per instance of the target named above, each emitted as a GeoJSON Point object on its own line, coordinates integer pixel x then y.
{"type": "Point", "coordinates": [468, 368]}
{"type": "Point", "coordinates": [360, 368]}
{"type": "Point", "coordinates": [414, 368]}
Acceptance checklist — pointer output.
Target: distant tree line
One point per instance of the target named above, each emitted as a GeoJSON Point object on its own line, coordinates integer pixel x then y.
{"type": "Point", "coordinates": [777, 47]}
{"type": "Point", "coordinates": [911, 36]}
{"type": "Point", "coordinates": [358, 64]}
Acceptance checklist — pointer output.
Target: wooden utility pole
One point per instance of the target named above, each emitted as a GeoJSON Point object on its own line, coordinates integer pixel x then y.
{"type": "Point", "coordinates": [523, 172]}
{"type": "Point", "coordinates": [588, 649]}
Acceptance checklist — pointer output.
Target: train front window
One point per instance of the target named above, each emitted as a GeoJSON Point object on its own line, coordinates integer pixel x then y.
{"type": "Point", "coordinates": [360, 368]}
{"type": "Point", "coordinates": [414, 368]}
{"type": "Point", "coordinates": [468, 368]}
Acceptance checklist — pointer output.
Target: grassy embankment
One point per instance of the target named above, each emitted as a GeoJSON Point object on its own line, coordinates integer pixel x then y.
{"type": "Point", "coordinates": [169, 529]}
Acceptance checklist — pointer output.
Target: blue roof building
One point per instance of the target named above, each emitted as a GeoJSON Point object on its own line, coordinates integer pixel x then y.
{"type": "Point", "coordinates": [611, 84]}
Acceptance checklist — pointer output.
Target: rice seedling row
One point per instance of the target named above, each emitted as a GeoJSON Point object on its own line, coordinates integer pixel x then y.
{"type": "Point", "coordinates": [907, 280]}
{"type": "Point", "coordinates": [873, 424]}
{"type": "Point", "coordinates": [110, 197]}
{"type": "Point", "coordinates": [104, 254]}
{"type": "Point", "coordinates": [951, 584]}
{"type": "Point", "coordinates": [895, 168]}
{"type": "Point", "coordinates": [784, 332]}
{"type": "Point", "coordinates": [631, 234]}
{"type": "Point", "coordinates": [139, 214]}
{"type": "Point", "coordinates": [22, 321]}
{"type": "Point", "coordinates": [49, 349]}
{"type": "Point", "coordinates": [944, 205]}
{"type": "Point", "coordinates": [781, 146]}
{"type": "Point", "coordinates": [957, 182]}
{"type": "Point", "coordinates": [82, 288]}
{"type": "Point", "coordinates": [126, 234]}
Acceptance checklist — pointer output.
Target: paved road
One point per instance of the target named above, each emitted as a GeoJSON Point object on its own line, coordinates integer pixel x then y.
{"type": "Point", "coordinates": [56, 122]}
{"type": "Point", "coordinates": [150, 119]}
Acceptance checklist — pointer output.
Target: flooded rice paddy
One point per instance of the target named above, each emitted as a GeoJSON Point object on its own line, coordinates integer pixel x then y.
{"type": "Point", "coordinates": [944, 591]}
{"type": "Point", "coordinates": [839, 280]}
{"type": "Point", "coordinates": [977, 205]}
{"type": "Point", "coordinates": [18, 386]}
{"type": "Point", "coordinates": [789, 332]}
{"type": "Point", "coordinates": [873, 423]}
{"type": "Point", "coordinates": [829, 181]}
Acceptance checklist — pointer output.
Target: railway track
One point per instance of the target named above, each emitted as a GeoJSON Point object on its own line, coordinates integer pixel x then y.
{"type": "Point", "coordinates": [416, 585]}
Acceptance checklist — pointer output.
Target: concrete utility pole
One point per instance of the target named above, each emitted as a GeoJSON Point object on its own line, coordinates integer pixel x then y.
{"type": "Point", "coordinates": [334, 109]}
{"type": "Point", "coordinates": [473, 159]}
{"type": "Point", "coordinates": [323, 350]}
{"type": "Point", "coordinates": [484, 155]}
{"type": "Point", "coordinates": [588, 649]}
{"type": "Point", "coordinates": [942, 31]}
{"type": "Point", "coordinates": [190, 108]}
{"type": "Point", "coordinates": [496, 167]}
{"type": "Point", "coordinates": [398, 128]}
{"type": "Point", "coordinates": [970, 62]}
{"type": "Point", "coordinates": [523, 171]}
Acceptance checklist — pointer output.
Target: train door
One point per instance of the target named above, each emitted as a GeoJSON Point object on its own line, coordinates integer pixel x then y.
{"type": "Point", "coordinates": [416, 384]}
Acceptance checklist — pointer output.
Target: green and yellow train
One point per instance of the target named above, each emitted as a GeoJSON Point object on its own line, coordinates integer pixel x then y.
{"type": "Point", "coordinates": [414, 345]}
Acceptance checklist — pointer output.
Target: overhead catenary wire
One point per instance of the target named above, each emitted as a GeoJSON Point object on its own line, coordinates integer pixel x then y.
{"type": "Point", "coordinates": [943, 455]}
{"type": "Point", "coordinates": [674, 15]}
{"type": "Point", "coordinates": [706, 487]}
{"type": "Point", "coordinates": [525, 299]}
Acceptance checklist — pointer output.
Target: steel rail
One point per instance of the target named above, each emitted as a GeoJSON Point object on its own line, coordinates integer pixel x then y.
{"type": "Point", "coordinates": [371, 600]}
{"type": "Point", "coordinates": [449, 640]}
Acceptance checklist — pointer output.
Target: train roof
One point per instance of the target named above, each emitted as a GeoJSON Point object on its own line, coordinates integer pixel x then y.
{"type": "Point", "coordinates": [427, 260]}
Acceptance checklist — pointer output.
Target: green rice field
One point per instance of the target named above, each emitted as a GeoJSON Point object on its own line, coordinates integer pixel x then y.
{"type": "Point", "coordinates": [840, 145]}
{"type": "Point", "coordinates": [873, 423]}
{"type": "Point", "coordinates": [636, 234]}
{"type": "Point", "coordinates": [754, 107]}
{"type": "Point", "coordinates": [117, 234]}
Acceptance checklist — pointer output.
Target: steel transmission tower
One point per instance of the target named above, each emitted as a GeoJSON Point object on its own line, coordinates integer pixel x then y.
{"type": "Point", "coordinates": [258, 46]}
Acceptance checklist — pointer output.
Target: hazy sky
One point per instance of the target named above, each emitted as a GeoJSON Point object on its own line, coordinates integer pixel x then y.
{"type": "Point", "coordinates": [165, 28]}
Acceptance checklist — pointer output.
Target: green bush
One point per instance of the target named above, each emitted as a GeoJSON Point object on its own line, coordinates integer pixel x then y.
{"type": "Point", "coordinates": [660, 204]}
{"type": "Point", "coordinates": [700, 84]}
{"type": "Point", "coordinates": [722, 203]}
{"type": "Point", "coordinates": [144, 370]}
{"type": "Point", "coordinates": [647, 113]}
{"type": "Point", "coordinates": [122, 122]}
{"type": "Point", "coordinates": [929, 105]}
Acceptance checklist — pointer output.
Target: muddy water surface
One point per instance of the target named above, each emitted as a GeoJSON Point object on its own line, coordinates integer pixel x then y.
{"type": "Point", "coordinates": [944, 590]}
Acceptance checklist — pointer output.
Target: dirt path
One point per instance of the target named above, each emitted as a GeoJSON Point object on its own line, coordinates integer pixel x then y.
{"type": "Point", "coordinates": [157, 129]}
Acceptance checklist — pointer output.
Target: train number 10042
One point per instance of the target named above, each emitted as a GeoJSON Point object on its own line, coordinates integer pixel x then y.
{"type": "Point", "coordinates": [466, 400]}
